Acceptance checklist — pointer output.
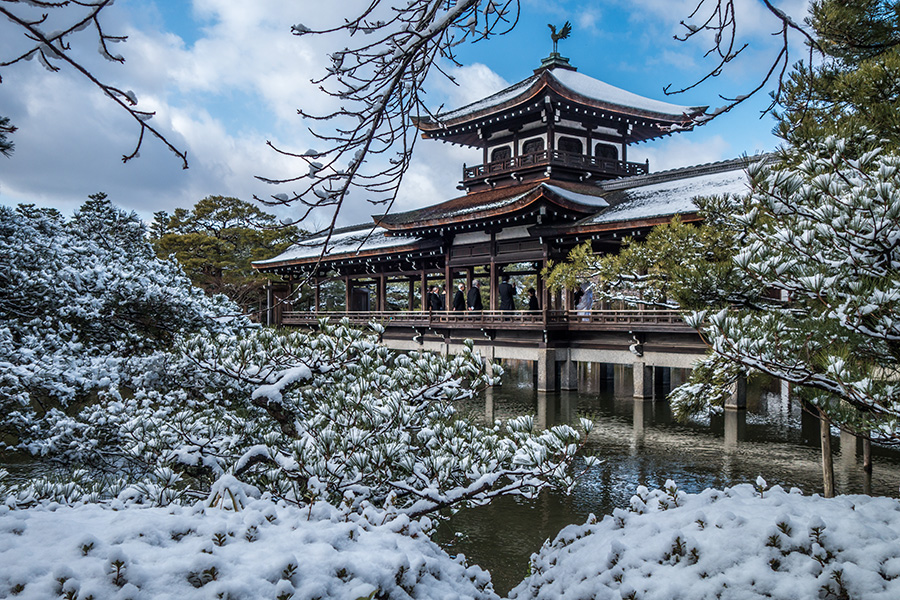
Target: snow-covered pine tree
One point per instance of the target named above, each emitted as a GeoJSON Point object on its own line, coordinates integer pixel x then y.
{"type": "Point", "coordinates": [87, 310]}
{"type": "Point", "coordinates": [824, 233]}
{"type": "Point", "coordinates": [110, 360]}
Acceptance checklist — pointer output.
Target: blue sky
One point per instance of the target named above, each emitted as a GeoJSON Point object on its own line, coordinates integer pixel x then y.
{"type": "Point", "coordinates": [224, 77]}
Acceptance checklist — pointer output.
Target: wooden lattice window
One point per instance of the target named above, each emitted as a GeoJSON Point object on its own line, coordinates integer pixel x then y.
{"type": "Point", "coordinates": [572, 145]}
{"type": "Point", "coordinates": [535, 145]}
{"type": "Point", "coordinates": [501, 153]}
{"type": "Point", "coordinates": [606, 151]}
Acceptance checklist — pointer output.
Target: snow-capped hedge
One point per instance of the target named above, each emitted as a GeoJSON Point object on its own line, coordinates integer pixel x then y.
{"type": "Point", "coordinates": [726, 544]}
{"type": "Point", "coordinates": [87, 309]}
{"type": "Point", "coordinates": [262, 551]}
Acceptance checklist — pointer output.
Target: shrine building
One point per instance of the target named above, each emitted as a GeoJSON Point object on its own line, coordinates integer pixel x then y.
{"type": "Point", "coordinates": [554, 174]}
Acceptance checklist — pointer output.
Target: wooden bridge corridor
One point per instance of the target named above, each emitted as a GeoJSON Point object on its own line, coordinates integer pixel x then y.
{"type": "Point", "coordinates": [556, 340]}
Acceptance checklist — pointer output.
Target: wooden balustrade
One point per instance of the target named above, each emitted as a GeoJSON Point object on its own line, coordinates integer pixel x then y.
{"type": "Point", "coordinates": [606, 166]}
{"type": "Point", "coordinates": [602, 320]}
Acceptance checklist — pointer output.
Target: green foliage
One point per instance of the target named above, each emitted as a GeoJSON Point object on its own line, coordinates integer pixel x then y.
{"type": "Point", "coordinates": [855, 83]}
{"type": "Point", "coordinates": [216, 242]}
{"type": "Point", "coordinates": [678, 265]}
{"type": "Point", "coordinates": [822, 228]}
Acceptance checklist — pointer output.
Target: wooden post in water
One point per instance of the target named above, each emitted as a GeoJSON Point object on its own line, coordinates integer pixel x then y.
{"type": "Point", "coordinates": [827, 459]}
{"type": "Point", "coordinates": [867, 465]}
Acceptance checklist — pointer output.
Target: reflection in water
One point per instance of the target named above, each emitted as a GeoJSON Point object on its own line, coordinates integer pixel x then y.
{"type": "Point", "coordinates": [641, 444]}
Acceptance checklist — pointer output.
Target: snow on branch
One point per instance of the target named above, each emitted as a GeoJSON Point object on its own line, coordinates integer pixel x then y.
{"type": "Point", "coordinates": [379, 83]}
{"type": "Point", "coordinates": [53, 48]}
{"type": "Point", "coordinates": [717, 21]}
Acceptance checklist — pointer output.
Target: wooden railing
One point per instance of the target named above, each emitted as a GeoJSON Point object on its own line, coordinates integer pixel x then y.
{"type": "Point", "coordinates": [609, 320]}
{"type": "Point", "coordinates": [606, 166]}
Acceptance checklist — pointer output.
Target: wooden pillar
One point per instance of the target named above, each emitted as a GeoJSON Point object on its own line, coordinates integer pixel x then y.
{"type": "Point", "coordinates": [347, 293]}
{"type": "Point", "coordinates": [827, 459]}
{"type": "Point", "coordinates": [269, 302]}
{"type": "Point", "coordinates": [316, 294]}
{"type": "Point", "coordinates": [470, 272]}
{"type": "Point", "coordinates": [424, 289]}
{"type": "Point", "coordinates": [551, 128]}
{"type": "Point", "coordinates": [381, 303]}
{"type": "Point", "coordinates": [448, 283]}
{"type": "Point", "coordinates": [493, 304]}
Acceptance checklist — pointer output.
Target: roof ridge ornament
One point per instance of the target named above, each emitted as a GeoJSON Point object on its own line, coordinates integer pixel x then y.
{"type": "Point", "coordinates": [555, 60]}
{"type": "Point", "coordinates": [564, 32]}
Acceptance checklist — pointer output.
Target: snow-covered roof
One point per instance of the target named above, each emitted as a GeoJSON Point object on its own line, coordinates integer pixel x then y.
{"type": "Point", "coordinates": [580, 198]}
{"type": "Point", "coordinates": [588, 199]}
{"type": "Point", "coordinates": [669, 192]}
{"type": "Point", "coordinates": [577, 84]}
{"type": "Point", "coordinates": [600, 91]}
{"type": "Point", "coordinates": [348, 241]}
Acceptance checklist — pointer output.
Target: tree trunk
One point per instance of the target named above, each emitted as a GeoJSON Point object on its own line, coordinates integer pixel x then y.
{"type": "Point", "coordinates": [827, 460]}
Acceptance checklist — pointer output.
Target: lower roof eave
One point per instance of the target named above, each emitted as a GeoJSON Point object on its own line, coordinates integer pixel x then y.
{"type": "Point", "coordinates": [420, 245]}
{"type": "Point", "coordinates": [614, 226]}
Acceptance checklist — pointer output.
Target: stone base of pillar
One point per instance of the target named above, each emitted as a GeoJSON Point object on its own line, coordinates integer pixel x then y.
{"type": "Point", "coordinates": [568, 375]}
{"type": "Point", "coordinates": [643, 381]}
{"type": "Point", "coordinates": [738, 398]}
{"type": "Point", "coordinates": [546, 370]}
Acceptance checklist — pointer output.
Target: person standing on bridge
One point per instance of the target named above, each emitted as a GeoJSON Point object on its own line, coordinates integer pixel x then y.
{"type": "Point", "coordinates": [473, 299]}
{"type": "Point", "coordinates": [435, 302]}
{"type": "Point", "coordinates": [532, 300]}
{"type": "Point", "coordinates": [506, 292]}
{"type": "Point", "coordinates": [459, 299]}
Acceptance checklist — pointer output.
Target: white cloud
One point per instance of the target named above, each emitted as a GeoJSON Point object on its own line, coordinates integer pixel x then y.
{"type": "Point", "coordinates": [472, 83]}
{"type": "Point", "coordinates": [222, 93]}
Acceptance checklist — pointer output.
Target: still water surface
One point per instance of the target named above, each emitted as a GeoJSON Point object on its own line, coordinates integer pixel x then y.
{"type": "Point", "coordinates": [642, 445]}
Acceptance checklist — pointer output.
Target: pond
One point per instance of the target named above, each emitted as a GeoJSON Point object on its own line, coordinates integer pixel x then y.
{"type": "Point", "coordinates": [641, 444]}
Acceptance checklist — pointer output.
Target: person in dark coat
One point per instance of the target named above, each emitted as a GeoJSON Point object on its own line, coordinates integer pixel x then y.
{"type": "Point", "coordinates": [532, 300]}
{"type": "Point", "coordinates": [459, 298]}
{"type": "Point", "coordinates": [506, 292]}
{"type": "Point", "coordinates": [434, 299]}
{"type": "Point", "coordinates": [473, 299]}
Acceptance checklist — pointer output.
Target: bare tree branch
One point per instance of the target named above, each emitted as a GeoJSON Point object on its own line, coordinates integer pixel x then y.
{"type": "Point", "coordinates": [49, 48]}
{"type": "Point", "coordinates": [380, 84]}
{"type": "Point", "coordinates": [721, 23]}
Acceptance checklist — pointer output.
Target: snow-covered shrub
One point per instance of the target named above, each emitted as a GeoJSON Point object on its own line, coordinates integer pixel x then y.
{"type": "Point", "coordinates": [733, 543]}
{"type": "Point", "coordinates": [110, 360]}
{"type": "Point", "coordinates": [265, 550]}
{"type": "Point", "coordinates": [340, 417]}
{"type": "Point", "coordinates": [87, 311]}
{"type": "Point", "coordinates": [819, 228]}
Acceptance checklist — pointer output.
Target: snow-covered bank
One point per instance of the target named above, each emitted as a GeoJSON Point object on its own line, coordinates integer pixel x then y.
{"type": "Point", "coordinates": [726, 544]}
{"type": "Point", "coordinates": [263, 551]}
{"type": "Point", "coordinates": [729, 544]}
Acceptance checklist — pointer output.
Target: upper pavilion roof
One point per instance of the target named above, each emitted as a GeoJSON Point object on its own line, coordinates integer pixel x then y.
{"type": "Point", "coordinates": [588, 96]}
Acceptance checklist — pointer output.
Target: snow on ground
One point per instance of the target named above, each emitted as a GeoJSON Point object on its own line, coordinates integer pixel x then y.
{"type": "Point", "coordinates": [740, 543]}
{"type": "Point", "coordinates": [728, 544]}
{"type": "Point", "coordinates": [263, 551]}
